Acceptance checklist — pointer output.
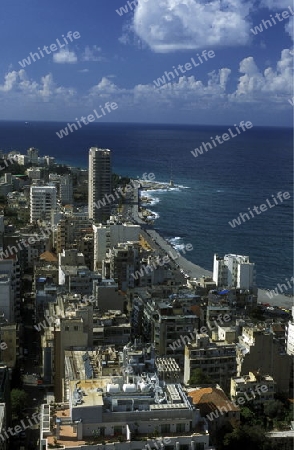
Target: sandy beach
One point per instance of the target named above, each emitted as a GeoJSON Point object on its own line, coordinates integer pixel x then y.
{"type": "Point", "coordinates": [194, 271]}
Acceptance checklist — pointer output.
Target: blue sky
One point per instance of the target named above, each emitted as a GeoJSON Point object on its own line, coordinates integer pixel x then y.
{"type": "Point", "coordinates": [117, 57]}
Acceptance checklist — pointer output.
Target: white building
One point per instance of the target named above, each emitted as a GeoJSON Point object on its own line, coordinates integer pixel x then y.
{"type": "Point", "coordinates": [42, 203]}
{"type": "Point", "coordinates": [290, 335]}
{"type": "Point", "coordinates": [108, 236]}
{"type": "Point", "coordinates": [34, 173]}
{"type": "Point", "coordinates": [233, 271]}
{"type": "Point", "coordinates": [125, 412]}
{"type": "Point", "coordinates": [33, 154]}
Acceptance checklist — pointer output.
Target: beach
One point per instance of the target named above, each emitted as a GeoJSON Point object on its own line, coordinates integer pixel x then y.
{"type": "Point", "coordinates": [163, 247]}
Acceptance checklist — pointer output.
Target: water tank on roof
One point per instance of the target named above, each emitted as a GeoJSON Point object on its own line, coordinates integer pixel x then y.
{"type": "Point", "coordinates": [129, 388]}
{"type": "Point", "coordinates": [112, 388]}
{"type": "Point", "coordinates": [144, 387]}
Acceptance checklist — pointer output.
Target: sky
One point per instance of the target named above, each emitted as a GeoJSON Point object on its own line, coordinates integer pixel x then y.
{"type": "Point", "coordinates": [224, 70]}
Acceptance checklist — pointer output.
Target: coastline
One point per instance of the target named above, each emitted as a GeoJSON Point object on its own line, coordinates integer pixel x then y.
{"type": "Point", "coordinates": [193, 270]}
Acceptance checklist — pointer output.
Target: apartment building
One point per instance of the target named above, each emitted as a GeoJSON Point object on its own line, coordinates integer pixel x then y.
{"type": "Point", "coordinates": [165, 323]}
{"type": "Point", "coordinates": [259, 350]}
{"type": "Point", "coordinates": [99, 184]}
{"type": "Point", "coordinates": [248, 386]}
{"type": "Point", "coordinates": [110, 235]}
{"type": "Point", "coordinates": [217, 360]}
{"type": "Point", "coordinates": [233, 271]}
{"type": "Point", "coordinates": [42, 203]}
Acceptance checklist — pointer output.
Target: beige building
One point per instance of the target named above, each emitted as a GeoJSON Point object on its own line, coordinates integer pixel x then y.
{"type": "Point", "coordinates": [217, 360]}
{"type": "Point", "coordinates": [108, 236]}
{"type": "Point", "coordinates": [69, 324]}
{"type": "Point", "coordinates": [259, 351]}
{"type": "Point", "coordinates": [256, 387]}
{"type": "Point", "coordinates": [10, 336]}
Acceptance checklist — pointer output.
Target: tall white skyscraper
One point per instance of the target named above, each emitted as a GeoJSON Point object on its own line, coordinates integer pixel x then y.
{"type": "Point", "coordinates": [100, 198]}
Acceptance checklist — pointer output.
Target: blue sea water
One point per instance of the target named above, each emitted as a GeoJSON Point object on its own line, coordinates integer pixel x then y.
{"type": "Point", "coordinates": [218, 185]}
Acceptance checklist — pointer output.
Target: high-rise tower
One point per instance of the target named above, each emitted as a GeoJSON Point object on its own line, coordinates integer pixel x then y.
{"type": "Point", "coordinates": [99, 201]}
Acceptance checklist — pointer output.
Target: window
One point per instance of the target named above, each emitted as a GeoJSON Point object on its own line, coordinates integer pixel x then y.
{"type": "Point", "coordinates": [76, 328]}
{"type": "Point", "coordinates": [199, 446]}
{"type": "Point", "coordinates": [180, 427]}
{"type": "Point", "coordinates": [66, 329]}
{"type": "Point", "coordinates": [117, 430]}
{"type": "Point", "coordinates": [165, 428]}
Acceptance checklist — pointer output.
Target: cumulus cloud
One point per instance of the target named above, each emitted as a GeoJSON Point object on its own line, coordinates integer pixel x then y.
{"type": "Point", "coordinates": [212, 92]}
{"type": "Point", "coordinates": [169, 25]}
{"type": "Point", "coordinates": [270, 85]}
{"type": "Point", "coordinates": [92, 54]}
{"type": "Point", "coordinates": [64, 56]}
{"type": "Point", "coordinates": [17, 84]}
{"type": "Point", "coordinates": [289, 28]}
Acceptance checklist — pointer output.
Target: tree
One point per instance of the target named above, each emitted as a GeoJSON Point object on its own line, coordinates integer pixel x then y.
{"type": "Point", "coordinates": [19, 401]}
{"type": "Point", "coordinates": [199, 377]}
{"type": "Point", "coordinates": [274, 409]}
{"type": "Point", "coordinates": [246, 437]}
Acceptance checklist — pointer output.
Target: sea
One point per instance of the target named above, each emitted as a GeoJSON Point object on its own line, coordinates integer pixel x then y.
{"type": "Point", "coordinates": [210, 190]}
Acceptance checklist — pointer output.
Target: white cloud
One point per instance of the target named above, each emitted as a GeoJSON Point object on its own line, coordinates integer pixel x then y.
{"type": "Point", "coordinates": [275, 4]}
{"type": "Point", "coordinates": [92, 54]}
{"type": "Point", "coordinates": [264, 88]}
{"type": "Point", "coordinates": [9, 81]}
{"type": "Point", "coordinates": [18, 85]}
{"type": "Point", "coordinates": [289, 28]}
{"type": "Point", "coordinates": [273, 85]}
{"type": "Point", "coordinates": [65, 57]}
{"type": "Point", "coordinates": [169, 25]}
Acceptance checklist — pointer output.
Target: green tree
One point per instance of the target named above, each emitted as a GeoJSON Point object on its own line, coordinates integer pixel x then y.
{"type": "Point", "coordinates": [199, 377]}
{"type": "Point", "coordinates": [274, 409]}
{"type": "Point", "coordinates": [19, 401]}
{"type": "Point", "coordinates": [246, 437]}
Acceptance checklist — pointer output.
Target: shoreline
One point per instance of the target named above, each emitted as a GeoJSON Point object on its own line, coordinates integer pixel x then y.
{"type": "Point", "coordinates": [193, 270]}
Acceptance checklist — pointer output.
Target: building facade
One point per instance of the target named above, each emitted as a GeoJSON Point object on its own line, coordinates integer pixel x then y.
{"type": "Point", "coordinates": [99, 185]}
